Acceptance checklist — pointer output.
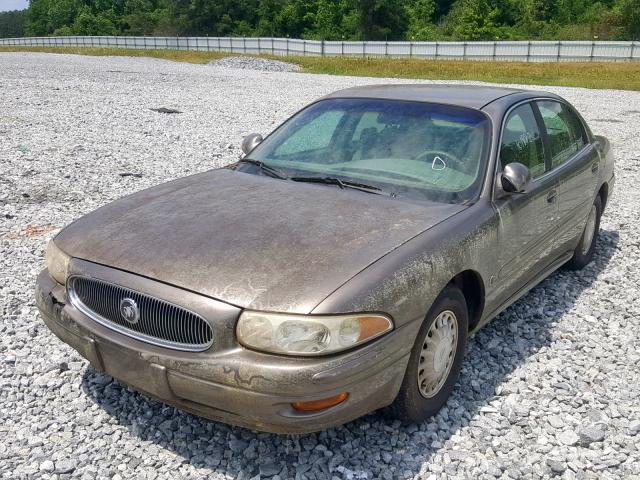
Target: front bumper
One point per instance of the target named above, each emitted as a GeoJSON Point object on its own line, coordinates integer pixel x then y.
{"type": "Point", "coordinates": [235, 385]}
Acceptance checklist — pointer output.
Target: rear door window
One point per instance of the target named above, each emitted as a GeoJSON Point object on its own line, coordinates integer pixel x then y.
{"type": "Point", "coordinates": [522, 142]}
{"type": "Point", "coordinates": [564, 129]}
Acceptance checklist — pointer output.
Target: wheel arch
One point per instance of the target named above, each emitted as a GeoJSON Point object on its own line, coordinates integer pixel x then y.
{"type": "Point", "coordinates": [603, 192]}
{"type": "Point", "coordinates": [471, 285]}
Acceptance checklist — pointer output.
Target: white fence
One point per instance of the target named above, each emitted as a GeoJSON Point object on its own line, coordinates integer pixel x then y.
{"type": "Point", "coordinates": [532, 51]}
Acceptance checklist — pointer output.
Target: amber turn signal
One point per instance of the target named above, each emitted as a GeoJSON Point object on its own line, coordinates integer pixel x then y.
{"type": "Point", "coordinates": [316, 405]}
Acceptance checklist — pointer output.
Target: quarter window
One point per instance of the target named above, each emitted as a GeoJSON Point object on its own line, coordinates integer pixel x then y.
{"type": "Point", "coordinates": [564, 129]}
{"type": "Point", "coordinates": [521, 141]}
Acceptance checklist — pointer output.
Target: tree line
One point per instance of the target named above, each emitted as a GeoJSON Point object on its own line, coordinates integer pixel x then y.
{"type": "Point", "coordinates": [12, 23]}
{"type": "Point", "coordinates": [333, 19]}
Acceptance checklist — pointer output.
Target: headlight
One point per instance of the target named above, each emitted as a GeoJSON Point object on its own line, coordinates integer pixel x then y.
{"type": "Point", "coordinates": [308, 334]}
{"type": "Point", "coordinates": [57, 262]}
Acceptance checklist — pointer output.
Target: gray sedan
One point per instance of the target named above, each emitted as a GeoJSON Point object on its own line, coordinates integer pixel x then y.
{"type": "Point", "coordinates": [340, 265]}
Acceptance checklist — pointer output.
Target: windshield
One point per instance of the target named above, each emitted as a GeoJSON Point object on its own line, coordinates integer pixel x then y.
{"type": "Point", "coordinates": [414, 150]}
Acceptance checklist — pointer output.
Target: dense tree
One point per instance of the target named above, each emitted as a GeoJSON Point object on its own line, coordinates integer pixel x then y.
{"type": "Point", "coordinates": [337, 19]}
{"type": "Point", "coordinates": [631, 19]}
{"type": "Point", "coordinates": [475, 20]}
{"type": "Point", "coordinates": [381, 19]}
{"type": "Point", "coordinates": [89, 23]}
{"type": "Point", "coordinates": [12, 23]}
{"type": "Point", "coordinates": [420, 15]}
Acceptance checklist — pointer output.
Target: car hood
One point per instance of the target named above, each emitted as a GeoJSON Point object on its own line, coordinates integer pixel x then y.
{"type": "Point", "coordinates": [252, 241]}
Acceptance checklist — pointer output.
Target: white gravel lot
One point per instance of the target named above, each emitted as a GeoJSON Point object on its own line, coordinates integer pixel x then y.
{"type": "Point", "coordinates": [551, 387]}
{"type": "Point", "coordinates": [253, 63]}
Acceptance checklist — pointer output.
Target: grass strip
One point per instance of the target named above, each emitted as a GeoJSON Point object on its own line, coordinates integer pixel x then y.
{"type": "Point", "coordinates": [601, 75]}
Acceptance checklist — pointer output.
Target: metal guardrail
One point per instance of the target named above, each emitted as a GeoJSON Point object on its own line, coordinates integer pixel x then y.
{"type": "Point", "coordinates": [527, 51]}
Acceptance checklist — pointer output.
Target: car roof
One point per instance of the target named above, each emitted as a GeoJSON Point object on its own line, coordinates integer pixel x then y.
{"type": "Point", "coordinates": [471, 96]}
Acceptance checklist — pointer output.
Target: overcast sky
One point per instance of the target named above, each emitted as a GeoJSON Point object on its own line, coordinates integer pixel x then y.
{"type": "Point", "coordinates": [6, 5]}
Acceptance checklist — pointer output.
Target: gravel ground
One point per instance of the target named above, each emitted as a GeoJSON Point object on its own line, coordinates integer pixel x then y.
{"type": "Point", "coordinates": [551, 387]}
{"type": "Point", "coordinates": [251, 63]}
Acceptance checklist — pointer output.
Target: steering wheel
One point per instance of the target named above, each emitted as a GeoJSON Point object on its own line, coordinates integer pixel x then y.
{"type": "Point", "coordinates": [440, 160]}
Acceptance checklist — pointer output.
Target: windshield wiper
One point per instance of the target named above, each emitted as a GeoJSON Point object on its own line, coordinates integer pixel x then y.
{"type": "Point", "coordinates": [265, 168]}
{"type": "Point", "coordinates": [342, 184]}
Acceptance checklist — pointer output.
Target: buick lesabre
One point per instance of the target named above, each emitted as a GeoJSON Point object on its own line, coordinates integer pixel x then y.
{"type": "Point", "coordinates": [339, 266]}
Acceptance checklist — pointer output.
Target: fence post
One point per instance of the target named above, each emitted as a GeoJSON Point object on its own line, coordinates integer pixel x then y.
{"type": "Point", "coordinates": [342, 47]}
{"type": "Point", "coordinates": [436, 56]}
{"type": "Point", "coordinates": [633, 45]}
{"type": "Point", "coordinates": [593, 46]}
{"type": "Point", "coordinates": [495, 48]}
{"type": "Point", "coordinates": [364, 49]}
{"type": "Point", "coordinates": [322, 47]}
{"type": "Point", "coordinates": [386, 48]}
{"type": "Point", "coordinates": [559, 45]}
{"type": "Point", "coordinates": [218, 39]}
{"type": "Point", "coordinates": [529, 51]}
{"type": "Point", "coordinates": [464, 50]}
{"type": "Point", "coordinates": [304, 48]}
{"type": "Point", "coordinates": [410, 49]}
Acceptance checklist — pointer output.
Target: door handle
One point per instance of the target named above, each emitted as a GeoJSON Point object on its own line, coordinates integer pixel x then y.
{"type": "Point", "coordinates": [594, 167]}
{"type": "Point", "coordinates": [552, 196]}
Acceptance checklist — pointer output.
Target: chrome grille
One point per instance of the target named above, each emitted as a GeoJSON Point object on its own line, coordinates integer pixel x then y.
{"type": "Point", "coordinates": [157, 321]}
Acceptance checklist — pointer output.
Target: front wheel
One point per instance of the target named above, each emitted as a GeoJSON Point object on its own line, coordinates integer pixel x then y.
{"type": "Point", "coordinates": [435, 360]}
{"type": "Point", "coordinates": [583, 254]}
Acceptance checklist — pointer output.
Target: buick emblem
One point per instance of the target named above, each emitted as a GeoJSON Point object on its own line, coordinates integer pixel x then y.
{"type": "Point", "coordinates": [129, 311]}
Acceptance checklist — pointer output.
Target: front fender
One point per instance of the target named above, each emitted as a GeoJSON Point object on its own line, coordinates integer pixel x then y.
{"type": "Point", "coordinates": [405, 282]}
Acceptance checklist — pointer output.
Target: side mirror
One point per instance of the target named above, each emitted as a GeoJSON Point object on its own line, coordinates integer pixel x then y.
{"type": "Point", "coordinates": [250, 142]}
{"type": "Point", "coordinates": [515, 178]}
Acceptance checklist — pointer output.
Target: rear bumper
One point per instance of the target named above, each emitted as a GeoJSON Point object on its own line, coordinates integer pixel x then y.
{"type": "Point", "coordinates": [236, 385]}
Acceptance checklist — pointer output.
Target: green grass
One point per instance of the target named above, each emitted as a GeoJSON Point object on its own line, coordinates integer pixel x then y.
{"type": "Point", "coordinates": [619, 75]}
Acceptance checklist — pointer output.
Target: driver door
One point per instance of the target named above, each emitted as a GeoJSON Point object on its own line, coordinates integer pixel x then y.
{"type": "Point", "coordinates": [527, 221]}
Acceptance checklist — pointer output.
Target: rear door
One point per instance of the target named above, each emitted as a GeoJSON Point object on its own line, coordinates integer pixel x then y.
{"type": "Point", "coordinates": [575, 163]}
{"type": "Point", "coordinates": [527, 220]}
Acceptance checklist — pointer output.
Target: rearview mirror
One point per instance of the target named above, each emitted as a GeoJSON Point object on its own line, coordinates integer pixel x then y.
{"type": "Point", "coordinates": [515, 178]}
{"type": "Point", "coordinates": [250, 142]}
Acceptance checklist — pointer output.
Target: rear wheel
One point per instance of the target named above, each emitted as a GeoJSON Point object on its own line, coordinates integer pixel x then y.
{"type": "Point", "coordinates": [435, 360]}
{"type": "Point", "coordinates": [583, 254]}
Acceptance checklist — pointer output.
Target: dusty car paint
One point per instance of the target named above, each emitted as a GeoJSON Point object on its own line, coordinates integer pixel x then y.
{"type": "Point", "coordinates": [265, 243]}
{"type": "Point", "coordinates": [305, 248]}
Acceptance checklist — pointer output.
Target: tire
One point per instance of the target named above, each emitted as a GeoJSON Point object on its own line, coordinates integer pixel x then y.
{"type": "Point", "coordinates": [583, 254]}
{"type": "Point", "coordinates": [411, 405]}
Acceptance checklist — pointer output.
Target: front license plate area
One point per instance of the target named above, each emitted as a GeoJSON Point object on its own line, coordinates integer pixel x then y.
{"type": "Point", "coordinates": [129, 367]}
